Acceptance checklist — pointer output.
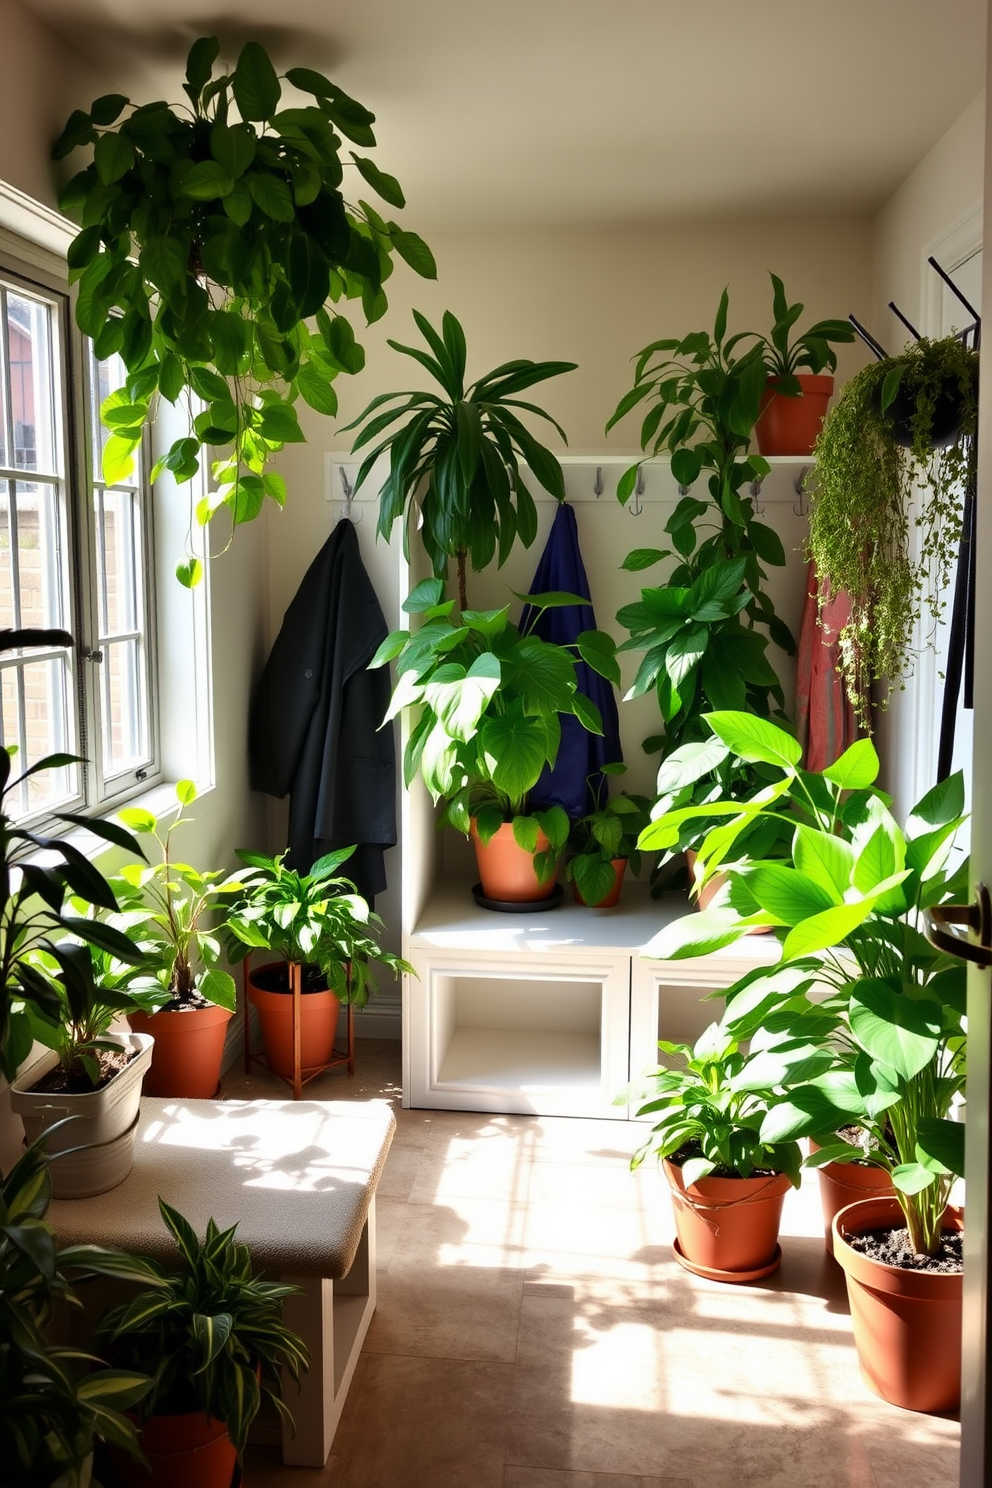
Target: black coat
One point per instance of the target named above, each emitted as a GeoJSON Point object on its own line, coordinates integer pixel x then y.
{"type": "Point", "coordinates": [315, 715]}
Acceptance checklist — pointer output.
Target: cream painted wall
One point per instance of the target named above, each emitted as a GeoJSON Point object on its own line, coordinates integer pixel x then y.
{"type": "Point", "coordinates": [43, 80]}
{"type": "Point", "coordinates": [594, 296]}
{"type": "Point", "coordinates": [936, 211]}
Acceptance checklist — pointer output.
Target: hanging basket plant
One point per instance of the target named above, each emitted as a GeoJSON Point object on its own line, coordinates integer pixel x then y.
{"type": "Point", "coordinates": [892, 463]}
{"type": "Point", "coordinates": [216, 241]}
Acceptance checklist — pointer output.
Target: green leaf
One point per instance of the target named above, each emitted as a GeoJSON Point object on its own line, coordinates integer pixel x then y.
{"type": "Point", "coordinates": [515, 750]}
{"type": "Point", "coordinates": [940, 1144]}
{"type": "Point", "coordinates": [827, 929]}
{"type": "Point", "coordinates": [826, 859]}
{"type": "Point", "coordinates": [199, 64]}
{"type": "Point", "coordinates": [255, 84]}
{"type": "Point", "coordinates": [207, 181]}
{"type": "Point", "coordinates": [233, 147]}
{"type": "Point", "coordinates": [641, 558]}
{"type": "Point", "coordinates": [273, 196]}
{"type": "Point", "coordinates": [189, 572]}
{"type": "Point", "coordinates": [902, 1033]}
{"type": "Point", "coordinates": [789, 895]}
{"type": "Point", "coordinates": [316, 390]}
{"type": "Point", "coordinates": [857, 768]}
{"type": "Point", "coordinates": [414, 251]}
{"type": "Point", "coordinates": [113, 155]}
{"type": "Point", "coordinates": [384, 185]}
{"type": "Point", "coordinates": [756, 740]}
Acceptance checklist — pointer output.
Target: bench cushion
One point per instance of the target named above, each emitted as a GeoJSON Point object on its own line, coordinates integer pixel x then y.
{"type": "Point", "coordinates": [296, 1176]}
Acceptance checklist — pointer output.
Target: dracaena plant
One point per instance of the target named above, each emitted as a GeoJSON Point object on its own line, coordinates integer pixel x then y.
{"type": "Point", "coordinates": [857, 978]}
{"type": "Point", "coordinates": [784, 354]}
{"type": "Point", "coordinates": [211, 235]}
{"type": "Point", "coordinates": [465, 450]}
{"type": "Point", "coordinates": [43, 976]}
{"type": "Point", "coordinates": [55, 1401]}
{"type": "Point", "coordinates": [488, 698]}
{"type": "Point", "coordinates": [210, 1333]}
{"type": "Point", "coordinates": [316, 918]}
{"type": "Point", "coordinates": [709, 1107]}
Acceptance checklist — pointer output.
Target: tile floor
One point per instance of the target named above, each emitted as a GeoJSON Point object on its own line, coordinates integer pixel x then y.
{"type": "Point", "coordinates": [534, 1331]}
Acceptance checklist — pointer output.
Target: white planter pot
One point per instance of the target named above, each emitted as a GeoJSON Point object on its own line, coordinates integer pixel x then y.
{"type": "Point", "coordinates": [104, 1128]}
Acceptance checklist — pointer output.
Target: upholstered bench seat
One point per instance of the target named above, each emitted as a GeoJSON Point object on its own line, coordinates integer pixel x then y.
{"type": "Point", "coordinates": [299, 1178]}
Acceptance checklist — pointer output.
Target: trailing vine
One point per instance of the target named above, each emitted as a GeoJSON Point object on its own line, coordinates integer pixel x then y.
{"type": "Point", "coordinates": [878, 480]}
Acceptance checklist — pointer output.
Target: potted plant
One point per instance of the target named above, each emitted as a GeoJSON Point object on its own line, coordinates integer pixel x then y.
{"type": "Point", "coordinates": [701, 632]}
{"type": "Point", "coordinates": [489, 698]}
{"type": "Point", "coordinates": [92, 1072]}
{"type": "Point", "coordinates": [56, 1402]}
{"type": "Point", "coordinates": [456, 456]}
{"type": "Point", "coordinates": [186, 1008]}
{"type": "Point", "coordinates": [892, 465]}
{"type": "Point", "coordinates": [857, 979]}
{"type": "Point", "coordinates": [327, 937]}
{"type": "Point", "coordinates": [795, 403]}
{"type": "Point", "coordinates": [211, 1336]}
{"type": "Point", "coordinates": [212, 235]}
{"type": "Point", "coordinates": [727, 1182]}
{"type": "Point", "coordinates": [602, 843]}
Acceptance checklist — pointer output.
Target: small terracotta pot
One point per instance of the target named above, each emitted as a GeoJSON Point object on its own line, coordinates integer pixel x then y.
{"type": "Point", "coordinates": [611, 899]}
{"type": "Point", "coordinates": [712, 888]}
{"type": "Point", "coordinates": [318, 1024]}
{"type": "Point", "coordinates": [728, 1227]}
{"type": "Point", "coordinates": [193, 1450]}
{"type": "Point", "coordinates": [188, 1052]}
{"type": "Point", "coordinates": [842, 1184]}
{"type": "Point", "coordinates": [506, 870]}
{"type": "Point", "coordinates": [791, 426]}
{"type": "Point", "coordinates": [907, 1324]}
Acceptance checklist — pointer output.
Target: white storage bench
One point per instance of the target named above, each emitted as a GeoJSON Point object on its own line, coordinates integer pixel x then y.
{"type": "Point", "coordinates": [299, 1179]}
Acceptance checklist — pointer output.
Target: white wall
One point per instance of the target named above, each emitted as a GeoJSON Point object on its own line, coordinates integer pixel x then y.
{"type": "Point", "coordinates": [594, 296]}
{"type": "Point", "coordinates": [936, 211]}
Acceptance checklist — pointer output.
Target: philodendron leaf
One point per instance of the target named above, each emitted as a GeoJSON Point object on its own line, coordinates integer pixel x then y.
{"type": "Point", "coordinates": [826, 929]}
{"type": "Point", "coordinates": [899, 1032]}
{"type": "Point", "coordinates": [826, 859]}
{"type": "Point", "coordinates": [940, 1145]}
{"type": "Point", "coordinates": [857, 768]}
{"type": "Point", "coordinates": [515, 751]}
{"type": "Point", "coordinates": [804, 1112]}
{"type": "Point", "coordinates": [789, 895]}
{"type": "Point", "coordinates": [699, 934]}
{"type": "Point", "coordinates": [755, 739]}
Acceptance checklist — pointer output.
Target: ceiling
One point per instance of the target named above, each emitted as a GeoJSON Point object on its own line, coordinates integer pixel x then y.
{"type": "Point", "coordinates": [496, 112]}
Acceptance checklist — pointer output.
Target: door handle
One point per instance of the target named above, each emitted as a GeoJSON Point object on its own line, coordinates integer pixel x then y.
{"type": "Point", "coordinates": [975, 917]}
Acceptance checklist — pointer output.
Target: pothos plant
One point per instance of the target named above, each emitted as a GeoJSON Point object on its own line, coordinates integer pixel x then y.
{"type": "Point", "coordinates": [870, 1014]}
{"type": "Point", "coordinates": [463, 449]}
{"type": "Point", "coordinates": [212, 235]}
{"type": "Point", "coordinates": [488, 698]}
{"type": "Point", "coordinates": [887, 503]}
{"type": "Point", "coordinates": [701, 631]}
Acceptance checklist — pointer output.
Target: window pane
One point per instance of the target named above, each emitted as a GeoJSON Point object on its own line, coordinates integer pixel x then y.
{"type": "Point", "coordinates": [3, 396]}
{"type": "Point", "coordinates": [32, 398]}
{"type": "Point", "coordinates": [123, 735]}
{"type": "Point", "coordinates": [40, 580]}
{"type": "Point", "coordinates": [7, 613]}
{"type": "Point", "coordinates": [118, 547]}
{"type": "Point", "coordinates": [37, 716]}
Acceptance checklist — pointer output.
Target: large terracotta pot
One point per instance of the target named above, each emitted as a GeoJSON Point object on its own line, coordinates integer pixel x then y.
{"type": "Point", "coordinates": [907, 1324]}
{"type": "Point", "coordinates": [193, 1451]}
{"type": "Point", "coordinates": [318, 1024]}
{"type": "Point", "coordinates": [612, 898]}
{"type": "Point", "coordinates": [842, 1184]}
{"type": "Point", "coordinates": [728, 1227]}
{"type": "Point", "coordinates": [506, 870]}
{"type": "Point", "coordinates": [188, 1053]}
{"type": "Point", "coordinates": [790, 426]}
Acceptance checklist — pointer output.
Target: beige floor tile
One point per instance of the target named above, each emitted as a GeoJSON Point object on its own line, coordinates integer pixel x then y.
{"type": "Point", "coordinates": [535, 1331]}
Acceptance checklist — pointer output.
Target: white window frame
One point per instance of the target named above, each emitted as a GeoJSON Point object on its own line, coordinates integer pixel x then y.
{"type": "Point", "coordinates": [31, 266]}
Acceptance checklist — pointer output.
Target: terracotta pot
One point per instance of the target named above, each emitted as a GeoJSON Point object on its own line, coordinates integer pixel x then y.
{"type": "Point", "coordinates": [842, 1184]}
{"type": "Point", "coordinates": [790, 426]}
{"type": "Point", "coordinates": [506, 870]}
{"type": "Point", "coordinates": [728, 1227]}
{"type": "Point", "coordinates": [907, 1324]}
{"type": "Point", "coordinates": [610, 900]}
{"type": "Point", "coordinates": [188, 1053]}
{"type": "Point", "coordinates": [192, 1450]}
{"type": "Point", "coordinates": [318, 1024]}
{"type": "Point", "coordinates": [712, 888]}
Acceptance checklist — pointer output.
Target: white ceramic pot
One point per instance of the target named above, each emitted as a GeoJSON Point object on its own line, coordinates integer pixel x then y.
{"type": "Point", "coordinates": [104, 1127]}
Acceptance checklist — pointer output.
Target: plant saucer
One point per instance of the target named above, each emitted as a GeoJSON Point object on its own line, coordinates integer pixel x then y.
{"type": "Point", "coordinates": [518, 906]}
{"type": "Point", "coordinates": [711, 1273]}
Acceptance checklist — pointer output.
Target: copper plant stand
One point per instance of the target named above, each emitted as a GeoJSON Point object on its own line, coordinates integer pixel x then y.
{"type": "Point", "coordinates": [299, 1078]}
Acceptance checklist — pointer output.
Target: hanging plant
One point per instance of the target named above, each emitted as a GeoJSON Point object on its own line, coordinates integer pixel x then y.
{"type": "Point", "coordinates": [894, 458]}
{"type": "Point", "coordinates": [212, 235]}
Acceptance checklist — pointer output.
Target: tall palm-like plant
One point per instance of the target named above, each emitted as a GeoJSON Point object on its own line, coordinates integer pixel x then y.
{"type": "Point", "coordinates": [465, 448]}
